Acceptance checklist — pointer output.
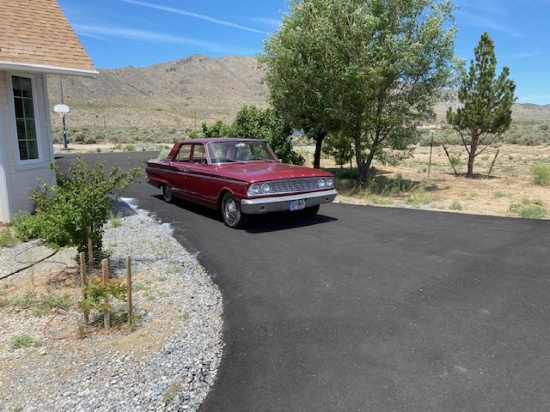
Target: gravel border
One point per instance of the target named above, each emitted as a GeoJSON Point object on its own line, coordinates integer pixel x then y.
{"type": "Point", "coordinates": [168, 363]}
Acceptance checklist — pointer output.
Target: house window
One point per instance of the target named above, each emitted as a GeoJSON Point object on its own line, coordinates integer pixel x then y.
{"type": "Point", "coordinates": [25, 121]}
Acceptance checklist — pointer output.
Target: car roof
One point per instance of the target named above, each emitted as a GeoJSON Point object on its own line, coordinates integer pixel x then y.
{"type": "Point", "coordinates": [218, 140]}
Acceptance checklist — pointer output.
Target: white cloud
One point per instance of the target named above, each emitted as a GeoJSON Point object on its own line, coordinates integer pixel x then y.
{"type": "Point", "coordinates": [107, 32]}
{"type": "Point", "coordinates": [195, 15]}
{"type": "Point", "coordinates": [525, 55]}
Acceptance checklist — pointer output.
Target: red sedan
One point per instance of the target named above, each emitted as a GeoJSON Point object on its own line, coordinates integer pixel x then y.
{"type": "Point", "coordinates": [239, 177]}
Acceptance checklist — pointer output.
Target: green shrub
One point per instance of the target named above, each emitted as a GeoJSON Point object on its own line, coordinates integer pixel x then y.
{"type": "Point", "coordinates": [541, 174]}
{"type": "Point", "coordinates": [83, 199]}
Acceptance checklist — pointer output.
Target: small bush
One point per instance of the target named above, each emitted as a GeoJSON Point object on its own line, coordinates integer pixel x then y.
{"type": "Point", "coordinates": [541, 174]}
{"type": "Point", "coordinates": [529, 209]}
{"type": "Point", "coordinates": [455, 205]}
{"type": "Point", "coordinates": [21, 341]}
{"type": "Point", "coordinates": [6, 237]}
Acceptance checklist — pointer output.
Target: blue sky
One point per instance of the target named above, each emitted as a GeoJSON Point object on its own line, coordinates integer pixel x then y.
{"type": "Point", "coordinates": [120, 33]}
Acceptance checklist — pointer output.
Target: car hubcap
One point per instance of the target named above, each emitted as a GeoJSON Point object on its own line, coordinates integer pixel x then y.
{"type": "Point", "coordinates": [230, 211]}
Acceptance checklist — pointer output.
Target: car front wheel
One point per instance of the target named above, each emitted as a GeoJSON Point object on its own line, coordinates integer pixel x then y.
{"type": "Point", "coordinates": [309, 212]}
{"type": "Point", "coordinates": [231, 212]}
{"type": "Point", "coordinates": [167, 194]}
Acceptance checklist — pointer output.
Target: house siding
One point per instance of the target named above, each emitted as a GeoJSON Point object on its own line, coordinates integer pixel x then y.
{"type": "Point", "coordinates": [4, 140]}
{"type": "Point", "coordinates": [21, 181]}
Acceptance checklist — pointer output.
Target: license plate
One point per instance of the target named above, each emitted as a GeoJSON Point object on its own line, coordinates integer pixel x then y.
{"type": "Point", "coordinates": [297, 204]}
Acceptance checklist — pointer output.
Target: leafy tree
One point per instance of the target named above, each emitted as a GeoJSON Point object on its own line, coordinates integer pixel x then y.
{"type": "Point", "coordinates": [218, 129]}
{"type": "Point", "coordinates": [298, 74]}
{"type": "Point", "coordinates": [368, 68]}
{"type": "Point", "coordinates": [252, 122]}
{"type": "Point", "coordinates": [487, 102]}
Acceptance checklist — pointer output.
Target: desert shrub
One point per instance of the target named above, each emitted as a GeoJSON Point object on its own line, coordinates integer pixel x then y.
{"type": "Point", "coordinates": [455, 205]}
{"type": "Point", "coordinates": [541, 174]}
{"type": "Point", "coordinates": [164, 154]}
{"type": "Point", "coordinates": [529, 209]}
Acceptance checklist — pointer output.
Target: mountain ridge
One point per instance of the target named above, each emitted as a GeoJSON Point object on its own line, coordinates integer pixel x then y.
{"type": "Point", "coordinates": [183, 93]}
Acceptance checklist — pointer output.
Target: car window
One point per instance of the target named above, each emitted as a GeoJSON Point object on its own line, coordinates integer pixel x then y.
{"type": "Point", "coordinates": [183, 154]}
{"type": "Point", "coordinates": [199, 155]}
{"type": "Point", "coordinates": [235, 151]}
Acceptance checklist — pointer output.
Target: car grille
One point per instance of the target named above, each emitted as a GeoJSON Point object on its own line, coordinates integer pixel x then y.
{"type": "Point", "coordinates": [294, 185]}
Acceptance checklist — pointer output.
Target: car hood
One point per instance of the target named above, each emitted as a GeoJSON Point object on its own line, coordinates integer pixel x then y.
{"type": "Point", "coordinates": [262, 171]}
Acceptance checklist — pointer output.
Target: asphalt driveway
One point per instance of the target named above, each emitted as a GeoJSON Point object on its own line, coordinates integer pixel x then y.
{"type": "Point", "coordinates": [374, 309]}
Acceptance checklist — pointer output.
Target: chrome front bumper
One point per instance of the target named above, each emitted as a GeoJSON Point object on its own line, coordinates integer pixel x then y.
{"type": "Point", "coordinates": [282, 203]}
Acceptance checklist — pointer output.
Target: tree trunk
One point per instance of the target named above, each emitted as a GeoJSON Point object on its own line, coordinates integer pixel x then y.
{"type": "Point", "coordinates": [319, 137]}
{"type": "Point", "coordinates": [365, 169]}
{"type": "Point", "coordinates": [472, 156]}
{"type": "Point", "coordinates": [363, 165]}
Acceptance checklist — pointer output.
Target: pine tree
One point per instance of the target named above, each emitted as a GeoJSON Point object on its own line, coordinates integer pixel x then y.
{"type": "Point", "coordinates": [487, 101]}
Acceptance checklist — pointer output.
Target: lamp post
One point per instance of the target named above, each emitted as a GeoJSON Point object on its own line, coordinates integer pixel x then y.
{"type": "Point", "coordinates": [62, 109]}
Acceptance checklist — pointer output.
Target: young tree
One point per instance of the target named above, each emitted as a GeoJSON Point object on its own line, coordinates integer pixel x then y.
{"type": "Point", "coordinates": [368, 68]}
{"type": "Point", "coordinates": [82, 199]}
{"type": "Point", "coordinates": [487, 102]}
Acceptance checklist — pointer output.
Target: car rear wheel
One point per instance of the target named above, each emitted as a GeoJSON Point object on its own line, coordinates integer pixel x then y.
{"type": "Point", "coordinates": [231, 212]}
{"type": "Point", "coordinates": [167, 194]}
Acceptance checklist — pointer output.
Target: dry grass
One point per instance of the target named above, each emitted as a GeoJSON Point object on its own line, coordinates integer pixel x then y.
{"type": "Point", "coordinates": [508, 191]}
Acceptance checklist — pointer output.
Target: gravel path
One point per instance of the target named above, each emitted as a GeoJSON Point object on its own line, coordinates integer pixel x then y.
{"type": "Point", "coordinates": [167, 364]}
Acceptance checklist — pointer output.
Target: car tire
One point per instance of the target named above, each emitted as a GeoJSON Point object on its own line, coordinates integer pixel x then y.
{"type": "Point", "coordinates": [309, 212]}
{"type": "Point", "coordinates": [231, 212]}
{"type": "Point", "coordinates": [167, 194]}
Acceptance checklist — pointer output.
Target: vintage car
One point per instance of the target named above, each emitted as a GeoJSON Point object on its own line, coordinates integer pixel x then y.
{"type": "Point", "coordinates": [239, 177]}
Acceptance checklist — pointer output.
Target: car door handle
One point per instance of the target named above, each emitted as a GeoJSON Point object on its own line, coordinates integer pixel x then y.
{"type": "Point", "coordinates": [185, 169]}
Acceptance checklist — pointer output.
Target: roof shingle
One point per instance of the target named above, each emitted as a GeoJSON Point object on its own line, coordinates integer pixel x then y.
{"type": "Point", "coordinates": [36, 32]}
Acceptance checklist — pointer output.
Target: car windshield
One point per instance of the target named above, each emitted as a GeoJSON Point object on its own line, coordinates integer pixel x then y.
{"type": "Point", "coordinates": [243, 151]}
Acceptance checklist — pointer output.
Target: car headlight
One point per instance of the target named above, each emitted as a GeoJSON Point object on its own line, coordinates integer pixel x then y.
{"type": "Point", "coordinates": [266, 188]}
{"type": "Point", "coordinates": [329, 181]}
{"type": "Point", "coordinates": [321, 183]}
{"type": "Point", "coordinates": [254, 189]}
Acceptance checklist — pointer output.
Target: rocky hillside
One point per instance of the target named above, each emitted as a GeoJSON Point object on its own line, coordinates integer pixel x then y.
{"type": "Point", "coordinates": [182, 93]}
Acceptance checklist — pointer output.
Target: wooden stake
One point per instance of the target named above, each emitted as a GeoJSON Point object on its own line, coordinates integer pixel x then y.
{"type": "Point", "coordinates": [106, 311]}
{"type": "Point", "coordinates": [84, 284]}
{"type": "Point", "coordinates": [129, 292]}
{"type": "Point", "coordinates": [492, 164]}
{"type": "Point", "coordinates": [90, 246]}
{"type": "Point", "coordinates": [449, 157]}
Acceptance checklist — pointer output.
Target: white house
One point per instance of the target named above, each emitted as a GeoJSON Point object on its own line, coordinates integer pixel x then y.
{"type": "Point", "coordinates": [35, 40]}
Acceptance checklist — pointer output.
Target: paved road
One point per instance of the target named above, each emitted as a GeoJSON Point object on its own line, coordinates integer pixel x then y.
{"type": "Point", "coordinates": [375, 309]}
